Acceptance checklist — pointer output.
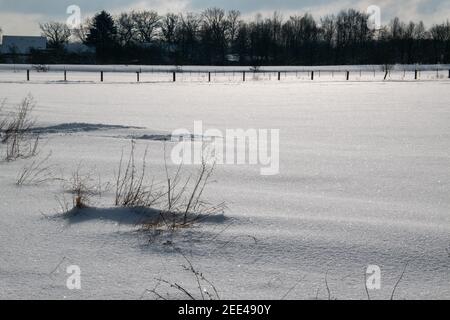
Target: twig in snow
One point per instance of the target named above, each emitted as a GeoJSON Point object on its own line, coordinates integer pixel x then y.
{"type": "Point", "coordinates": [36, 173]}
{"type": "Point", "coordinates": [365, 285]}
{"type": "Point", "coordinates": [199, 278]}
{"type": "Point", "coordinates": [398, 281]}
{"type": "Point", "coordinates": [293, 288]}
{"type": "Point", "coordinates": [326, 284]}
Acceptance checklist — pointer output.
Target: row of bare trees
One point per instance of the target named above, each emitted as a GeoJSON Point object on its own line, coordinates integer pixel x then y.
{"type": "Point", "coordinates": [215, 36]}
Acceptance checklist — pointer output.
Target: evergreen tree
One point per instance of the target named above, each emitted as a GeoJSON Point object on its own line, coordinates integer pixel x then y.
{"type": "Point", "coordinates": [102, 35]}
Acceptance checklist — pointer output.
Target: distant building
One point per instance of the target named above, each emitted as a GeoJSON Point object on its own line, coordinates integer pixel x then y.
{"type": "Point", "coordinates": [22, 44]}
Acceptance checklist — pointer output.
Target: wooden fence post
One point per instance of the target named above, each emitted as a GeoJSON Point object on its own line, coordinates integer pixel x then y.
{"type": "Point", "coordinates": [348, 75]}
{"type": "Point", "coordinates": [101, 76]}
{"type": "Point", "coordinates": [174, 77]}
{"type": "Point", "coordinates": [279, 76]}
{"type": "Point", "coordinates": [138, 76]}
{"type": "Point", "coordinates": [65, 75]}
{"type": "Point", "coordinates": [28, 75]}
{"type": "Point", "coordinates": [312, 75]}
{"type": "Point", "coordinates": [415, 75]}
{"type": "Point", "coordinates": [243, 76]}
{"type": "Point", "coordinates": [209, 76]}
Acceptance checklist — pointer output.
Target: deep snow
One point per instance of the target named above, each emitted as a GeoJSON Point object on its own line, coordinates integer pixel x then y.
{"type": "Point", "coordinates": [364, 180]}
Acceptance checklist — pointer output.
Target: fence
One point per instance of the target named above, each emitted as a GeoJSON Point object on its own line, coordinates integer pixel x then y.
{"type": "Point", "coordinates": [130, 74]}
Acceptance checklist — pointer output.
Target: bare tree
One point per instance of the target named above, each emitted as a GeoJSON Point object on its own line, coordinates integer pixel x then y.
{"type": "Point", "coordinates": [328, 29]}
{"type": "Point", "coordinates": [234, 21]}
{"type": "Point", "coordinates": [440, 34]}
{"type": "Point", "coordinates": [169, 26]}
{"type": "Point", "coordinates": [187, 34]}
{"type": "Point", "coordinates": [147, 23]}
{"type": "Point", "coordinates": [57, 34]}
{"type": "Point", "coordinates": [126, 28]}
{"type": "Point", "coordinates": [214, 30]}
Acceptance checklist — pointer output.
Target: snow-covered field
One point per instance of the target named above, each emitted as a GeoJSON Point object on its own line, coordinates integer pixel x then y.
{"type": "Point", "coordinates": [364, 180]}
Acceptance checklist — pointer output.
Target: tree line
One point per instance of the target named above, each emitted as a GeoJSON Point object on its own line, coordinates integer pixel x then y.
{"type": "Point", "coordinates": [218, 37]}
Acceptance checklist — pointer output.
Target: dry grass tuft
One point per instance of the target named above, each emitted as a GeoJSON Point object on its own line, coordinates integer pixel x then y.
{"type": "Point", "coordinates": [205, 289]}
{"type": "Point", "coordinates": [37, 172]}
{"type": "Point", "coordinates": [132, 189]}
{"type": "Point", "coordinates": [83, 186]}
{"type": "Point", "coordinates": [179, 200]}
{"type": "Point", "coordinates": [16, 132]}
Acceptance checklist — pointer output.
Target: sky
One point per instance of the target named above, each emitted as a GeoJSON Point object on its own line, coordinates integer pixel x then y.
{"type": "Point", "coordinates": [22, 17]}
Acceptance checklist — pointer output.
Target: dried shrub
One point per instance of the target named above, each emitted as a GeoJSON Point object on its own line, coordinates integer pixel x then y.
{"type": "Point", "coordinates": [37, 172]}
{"type": "Point", "coordinates": [132, 189]}
{"type": "Point", "coordinates": [83, 186]}
{"type": "Point", "coordinates": [17, 134]}
{"type": "Point", "coordinates": [179, 200]}
{"type": "Point", "coordinates": [185, 204]}
{"type": "Point", "coordinates": [205, 289]}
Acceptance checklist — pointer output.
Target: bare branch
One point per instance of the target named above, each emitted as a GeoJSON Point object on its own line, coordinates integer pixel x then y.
{"type": "Point", "coordinates": [398, 281]}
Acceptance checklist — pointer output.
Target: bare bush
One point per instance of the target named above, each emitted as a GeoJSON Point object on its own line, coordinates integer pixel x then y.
{"type": "Point", "coordinates": [63, 204]}
{"type": "Point", "coordinates": [180, 202]}
{"type": "Point", "coordinates": [83, 186]}
{"type": "Point", "coordinates": [36, 173]}
{"type": "Point", "coordinates": [185, 204]}
{"type": "Point", "coordinates": [205, 290]}
{"type": "Point", "coordinates": [131, 187]}
{"type": "Point", "coordinates": [16, 132]}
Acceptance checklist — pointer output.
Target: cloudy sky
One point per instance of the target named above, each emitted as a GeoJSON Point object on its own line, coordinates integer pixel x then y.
{"type": "Point", "coordinates": [21, 17]}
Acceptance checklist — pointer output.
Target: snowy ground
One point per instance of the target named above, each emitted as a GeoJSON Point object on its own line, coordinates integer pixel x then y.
{"type": "Point", "coordinates": [364, 181]}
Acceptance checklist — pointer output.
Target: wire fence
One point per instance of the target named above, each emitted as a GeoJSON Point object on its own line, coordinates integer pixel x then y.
{"type": "Point", "coordinates": [148, 74]}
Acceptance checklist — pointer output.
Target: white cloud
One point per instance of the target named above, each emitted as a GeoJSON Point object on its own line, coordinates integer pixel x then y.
{"type": "Point", "coordinates": [161, 6]}
{"type": "Point", "coordinates": [20, 24]}
{"type": "Point", "coordinates": [406, 10]}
